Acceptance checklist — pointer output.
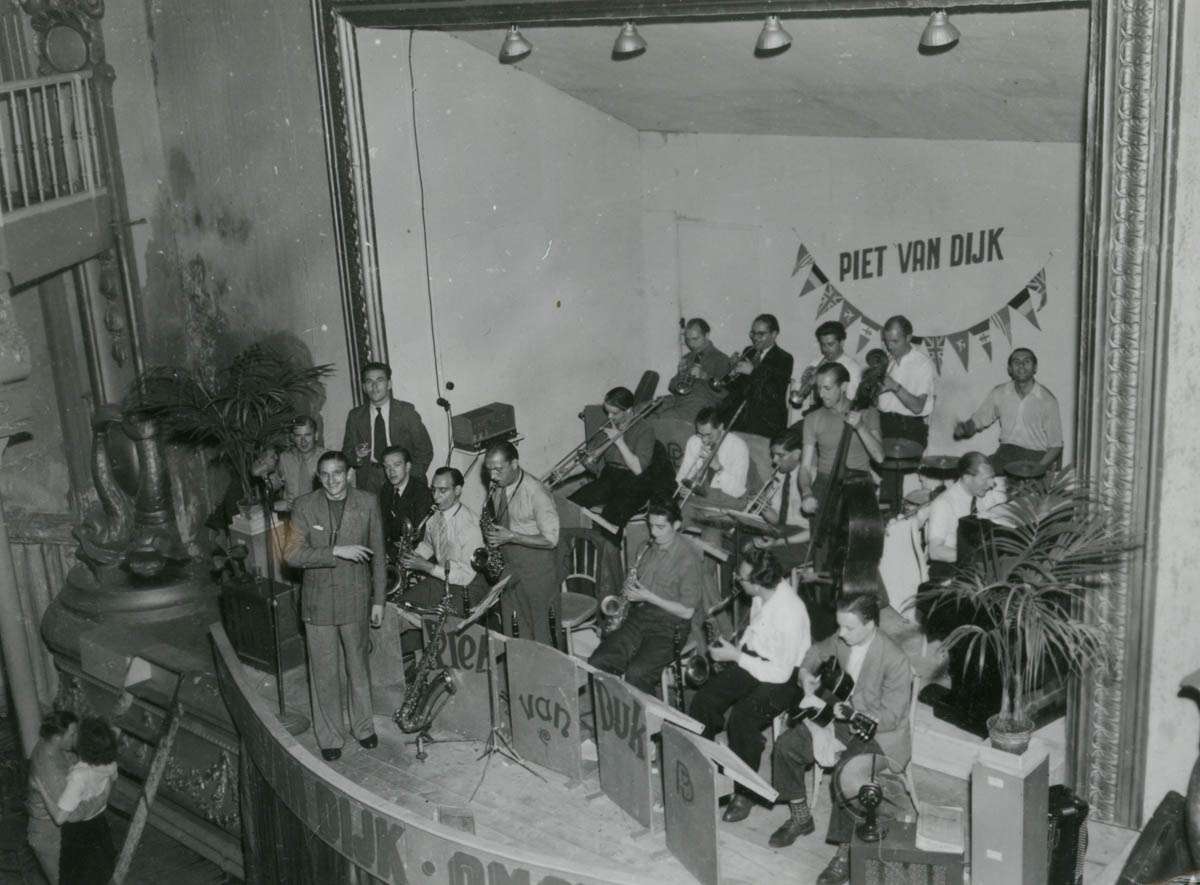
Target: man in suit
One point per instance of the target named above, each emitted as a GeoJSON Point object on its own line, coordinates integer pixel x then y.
{"type": "Point", "coordinates": [337, 539]}
{"type": "Point", "coordinates": [882, 690]}
{"type": "Point", "coordinates": [405, 500]}
{"type": "Point", "coordinates": [380, 422]}
{"type": "Point", "coordinates": [760, 381]}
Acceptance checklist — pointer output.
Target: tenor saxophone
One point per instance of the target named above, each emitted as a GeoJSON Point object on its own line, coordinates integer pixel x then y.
{"type": "Point", "coordinates": [616, 607]}
{"type": "Point", "coordinates": [430, 681]}
{"type": "Point", "coordinates": [400, 578]}
{"type": "Point", "coordinates": [489, 559]}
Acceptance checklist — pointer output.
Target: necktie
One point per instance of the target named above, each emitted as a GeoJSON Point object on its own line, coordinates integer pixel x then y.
{"type": "Point", "coordinates": [974, 506]}
{"type": "Point", "coordinates": [380, 442]}
{"type": "Point", "coordinates": [784, 500]}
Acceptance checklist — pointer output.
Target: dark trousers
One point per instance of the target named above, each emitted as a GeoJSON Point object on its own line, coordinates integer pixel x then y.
{"type": "Point", "coordinates": [751, 706]}
{"type": "Point", "coordinates": [642, 646]}
{"type": "Point", "coordinates": [893, 425]}
{"type": "Point", "coordinates": [620, 493]}
{"type": "Point", "coordinates": [533, 593]}
{"type": "Point", "coordinates": [1008, 453]}
{"type": "Point", "coordinates": [87, 855]}
{"type": "Point", "coordinates": [794, 753]}
{"type": "Point", "coordinates": [428, 592]}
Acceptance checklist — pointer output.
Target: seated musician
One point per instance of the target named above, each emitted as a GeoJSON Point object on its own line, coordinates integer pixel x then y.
{"type": "Point", "coordinates": [906, 396]}
{"type": "Point", "coordinates": [882, 691]}
{"type": "Point", "coordinates": [701, 364]}
{"type": "Point", "coordinates": [450, 538]}
{"type": "Point", "coordinates": [758, 384]}
{"type": "Point", "coordinates": [716, 478]}
{"type": "Point", "coordinates": [626, 478]}
{"type": "Point", "coordinates": [404, 500]}
{"type": "Point", "coordinates": [664, 590]}
{"type": "Point", "coordinates": [783, 508]}
{"type": "Point", "coordinates": [963, 497]}
{"type": "Point", "coordinates": [1030, 423]}
{"type": "Point", "coordinates": [823, 432]}
{"type": "Point", "coordinates": [831, 339]}
{"type": "Point", "coordinates": [757, 681]}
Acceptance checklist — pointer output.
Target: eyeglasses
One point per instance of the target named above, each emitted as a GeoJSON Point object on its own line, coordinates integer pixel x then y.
{"type": "Point", "coordinates": [759, 334]}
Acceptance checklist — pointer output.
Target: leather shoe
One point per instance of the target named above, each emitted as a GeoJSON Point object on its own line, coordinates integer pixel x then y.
{"type": "Point", "coordinates": [837, 872]}
{"type": "Point", "coordinates": [370, 742]}
{"type": "Point", "coordinates": [329, 754]}
{"type": "Point", "coordinates": [738, 809]}
{"type": "Point", "coordinates": [791, 830]}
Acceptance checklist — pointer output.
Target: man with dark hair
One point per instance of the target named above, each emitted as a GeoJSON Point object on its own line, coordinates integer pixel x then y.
{"type": "Point", "coordinates": [882, 691]}
{"type": "Point", "coordinates": [823, 432]}
{"type": "Point", "coordinates": [525, 531]}
{"type": "Point", "coordinates": [380, 422]}
{"type": "Point", "coordinates": [961, 498]}
{"type": "Point", "coordinates": [1030, 423]}
{"type": "Point", "coordinates": [445, 548]}
{"type": "Point", "coordinates": [723, 482]}
{"type": "Point", "coordinates": [405, 500]}
{"type": "Point", "coordinates": [783, 506]}
{"type": "Point", "coordinates": [760, 381]}
{"type": "Point", "coordinates": [831, 339]}
{"type": "Point", "coordinates": [337, 539]}
{"type": "Point", "coordinates": [762, 683]}
{"type": "Point", "coordinates": [298, 462]}
{"type": "Point", "coordinates": [906, 395]}
{"type": "Point", "coordinates": [663, 589]}
{"type": "Point", "coordinates": [701, 364]}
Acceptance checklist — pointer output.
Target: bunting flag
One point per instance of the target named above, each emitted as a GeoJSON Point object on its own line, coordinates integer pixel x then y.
{"type": "Point", "coordinates": [982, 334]}
{"type": "Point", "coordinates": [1003, 320]}
{"type": "Point", "coordinates": [1037, 288]}
{"type": "Point", "coordinates": [803, 260]}
{"type": "Point", "coordinates": [1022, 303]}
{"type": "Point", "coordinates": [830, 299]}
{"type": "Point", "coordinates": [1031, 299]}
{"type": "Point", "coordinates": [849, 315]}
{"type": "Point", "coordinates": [867, 331]}
{"type": "Point", "coordinates": [961, 342]}
{"type": "Point", "coordinates": [933, 346]}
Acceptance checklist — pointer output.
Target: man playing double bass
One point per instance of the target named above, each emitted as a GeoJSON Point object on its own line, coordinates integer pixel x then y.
{"type": "Point", "coordinates": [824, 430]}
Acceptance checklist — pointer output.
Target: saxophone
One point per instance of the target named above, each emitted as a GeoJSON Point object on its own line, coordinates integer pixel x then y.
{"type": "Point", "coordinates": [488, 559]}
{"type": "Point", "coordinates": [616, 607]}
{"type": "Point", "coordinates": [429, 681]}
{"type": "Point", "coordinates": [400, 579]}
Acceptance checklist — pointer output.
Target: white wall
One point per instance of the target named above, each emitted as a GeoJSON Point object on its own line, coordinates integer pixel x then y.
{"type": "Point", "coordinates": [535, 253]}
{"type": "Point", "coordinates": [724, 215]}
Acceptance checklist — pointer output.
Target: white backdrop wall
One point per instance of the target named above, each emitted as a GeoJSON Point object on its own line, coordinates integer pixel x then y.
{"type": "Point", "coordinates": [724, 216]}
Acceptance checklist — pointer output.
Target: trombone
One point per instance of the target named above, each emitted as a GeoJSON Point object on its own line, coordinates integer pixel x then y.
{"type": "Point", "coordinates": [690, 484]}
{"type": "Point", "coordinates": [584, 452]}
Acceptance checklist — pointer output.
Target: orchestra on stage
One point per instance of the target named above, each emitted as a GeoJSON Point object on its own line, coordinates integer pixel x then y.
{"type": "Point", "coordinates": [743, 576]}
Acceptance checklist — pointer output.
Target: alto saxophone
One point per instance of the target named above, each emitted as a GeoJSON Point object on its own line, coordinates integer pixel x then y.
{"type": "Point", "coordinates": [616, 607]}
{"type": "Point", "coordinates": [429, 681]}
{"type": "Point", "coordinates": [400, 578]}
{"type": "Point", "coordinates": [488, 559]}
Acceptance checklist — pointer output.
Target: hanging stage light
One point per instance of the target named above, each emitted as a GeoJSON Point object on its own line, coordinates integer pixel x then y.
{"type": "Point", "coordinates": [515, 47]}
{"type": "Point", "coordinates": [773, 39]}
{"type": "Point", "coordinates": [629, 42]}
{"type": "Point", "coordinates": [939, 33]}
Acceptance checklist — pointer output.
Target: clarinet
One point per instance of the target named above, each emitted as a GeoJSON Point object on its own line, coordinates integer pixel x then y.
{"type": "Point", "coordinates": [553, 619]}
{"type": "Point", "coordinates": [677, 669]}
{"type": "Point", "coordinates": [516, 626]}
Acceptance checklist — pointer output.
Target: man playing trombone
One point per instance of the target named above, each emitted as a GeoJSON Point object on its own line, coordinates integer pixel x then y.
{"type": "Point", "coordinates": [661, 594]}
{"type": "Point", "coordinates": [713, 470]}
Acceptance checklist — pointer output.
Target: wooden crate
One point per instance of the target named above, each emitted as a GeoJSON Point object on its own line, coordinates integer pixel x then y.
{"type": "Point", "coordinates": [246, 614]}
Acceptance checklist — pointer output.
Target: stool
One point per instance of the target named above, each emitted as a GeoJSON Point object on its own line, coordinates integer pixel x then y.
{"type": "Point", "coordinates": [576, 611]}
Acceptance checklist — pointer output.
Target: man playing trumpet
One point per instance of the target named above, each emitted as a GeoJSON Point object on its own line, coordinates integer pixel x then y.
{"type": "Point", "coordinates": [702, 363]}
{"type": "Point", "coordinates": [661, 592]}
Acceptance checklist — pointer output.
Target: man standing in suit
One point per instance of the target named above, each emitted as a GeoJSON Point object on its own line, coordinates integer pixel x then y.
{"type": "Point", "coordinates": [882, 690]}
{"type": "Point", "coordinates": [381, 422]}
{"type": "Point", "coordinates": [337, 539]}
{"type": "Point", "coordinates": [761, 380]}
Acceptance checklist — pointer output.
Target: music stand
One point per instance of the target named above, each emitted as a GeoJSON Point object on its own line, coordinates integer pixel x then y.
{"type": "Point", "coordinates": [496, 742]}
{"type": "Point", "coordinates": [743, 523]}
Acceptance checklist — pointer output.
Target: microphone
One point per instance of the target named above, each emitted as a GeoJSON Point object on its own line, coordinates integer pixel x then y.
{"type": "Point", "coordinates": [444, 403]}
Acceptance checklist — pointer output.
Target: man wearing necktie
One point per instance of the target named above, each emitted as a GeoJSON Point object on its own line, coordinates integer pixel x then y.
{"type": "Point", "coordinates": [381, 422]}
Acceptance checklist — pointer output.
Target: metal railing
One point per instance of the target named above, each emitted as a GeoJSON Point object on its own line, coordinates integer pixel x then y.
{"type": "Point", "coordinates": [49, 147]}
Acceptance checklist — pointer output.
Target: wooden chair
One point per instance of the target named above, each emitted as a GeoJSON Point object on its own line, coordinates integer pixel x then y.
{"type": "Point", "coordinates": [578, 601]}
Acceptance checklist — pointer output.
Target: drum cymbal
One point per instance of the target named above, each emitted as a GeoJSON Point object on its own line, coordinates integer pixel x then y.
{"type": "Point", "coordinates": [900, 449]}
{"type": "Point", "coordinates": [1025, 469]}
{"type": "Point", "coordinates": [940, 462]}
{"type": "Point", "coordinates": [918, 497]}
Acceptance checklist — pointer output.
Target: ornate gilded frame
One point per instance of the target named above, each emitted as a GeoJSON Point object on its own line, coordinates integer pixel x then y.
{"type": "Point", "coordinates": [1125, 286]}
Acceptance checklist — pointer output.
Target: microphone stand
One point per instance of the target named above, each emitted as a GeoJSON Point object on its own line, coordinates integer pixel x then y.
{"type": "Point", "coordinates": [293, 720]}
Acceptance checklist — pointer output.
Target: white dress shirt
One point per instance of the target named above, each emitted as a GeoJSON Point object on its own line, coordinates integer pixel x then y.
{"type": "Point", "coordinates": [452, 536]}
{"type": "Point", "coordinates": [733, 457]}
{"type": "Point", "coordinates": [916, 374]}
{"type": "Point", "coordinates": [777, 637]}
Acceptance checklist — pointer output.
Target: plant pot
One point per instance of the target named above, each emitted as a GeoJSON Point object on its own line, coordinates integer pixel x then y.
{"type": "Point", "coordinates": [1010, 735]}
{"type": "Point", "coordinates": [249, 509]}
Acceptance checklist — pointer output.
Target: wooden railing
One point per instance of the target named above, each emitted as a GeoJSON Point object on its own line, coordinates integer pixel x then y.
{"type": "Point", "coordinates": [49, 148]}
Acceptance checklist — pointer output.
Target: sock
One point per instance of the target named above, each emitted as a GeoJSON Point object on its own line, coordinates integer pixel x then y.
{"type": "Point", "coordinates": [799, 810]}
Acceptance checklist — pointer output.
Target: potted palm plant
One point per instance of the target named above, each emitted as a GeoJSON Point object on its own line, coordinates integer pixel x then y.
{"type": "Point", "coordinates": [237, 411]}
{"type": "Point", "coordinates": [1030, 586]}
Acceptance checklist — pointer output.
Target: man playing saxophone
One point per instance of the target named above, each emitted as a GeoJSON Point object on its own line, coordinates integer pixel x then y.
{"type": "Point", "coordinates": [526, 531]}
{"type": "Point", "coordinates": [662, 592]}
{"type": "Point", "coordinates": [450, 538]}
{"type": "Point", "coordinates": [404, 500]}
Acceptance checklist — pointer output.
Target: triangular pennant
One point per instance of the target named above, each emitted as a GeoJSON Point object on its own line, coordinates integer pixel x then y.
{"type": "Point", "coordinates": [849, 315]}
{"type": "Point", "coordinates": [933, 345]}
{"type": "Point", "coordinates": [981, 331]}
{"type": "Point", "coordinates": [814, 279]}
{"type": "Point", "coordinates": [1023, 303]}
{"type": "Point", "coordinates": [868, 330]}
{"type": "Point", "coordinates": [961, 342]}
{"type": "Point", "coordinates": [830, 299]}
{"type": "Point", "coordinates": [819, 274]}
{"type": "Point", "coordinates": [803, 259]}
{"type": "Point", "coordinates": [1003, 320]}
{"type": "Point", "coordinates": [1037, 288]}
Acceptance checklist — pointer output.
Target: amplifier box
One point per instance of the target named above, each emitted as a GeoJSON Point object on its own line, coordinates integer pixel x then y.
{"type": "Point", "coordinates": [896, 860]}
{"type": "Point", "coordinates": [246, 616]}
{"type": "Point", "coordinates": [474, 429]}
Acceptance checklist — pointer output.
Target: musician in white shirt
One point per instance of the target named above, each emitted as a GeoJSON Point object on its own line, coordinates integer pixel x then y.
{"type": "Point", "coordinates": [450, 539]}
{"type": "Point", "coordinates": [906, 397]}
{"type": "Point", "coordinates": [723, 482]}
{"type": "Point", "coordinates": [758, 680]}
{"type": "Point", "coordinates": [831, 339]}
{"type": "Point", "coordinates": [970, 495]}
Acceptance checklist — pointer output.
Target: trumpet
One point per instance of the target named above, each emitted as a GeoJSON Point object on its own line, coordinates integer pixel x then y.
{"type": "Point", "coordinates": [720, 384]}
{"type": "Point", "coordinates": [616, 606]}
{"type": "Point", "coordinates": [762, 498]}
{"type": "Point", "coordinates": [686, 382]}
{"type": "Point", "coordinates": [584, 452]}
{"type": "Point", "coordinates": [797, 397]}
